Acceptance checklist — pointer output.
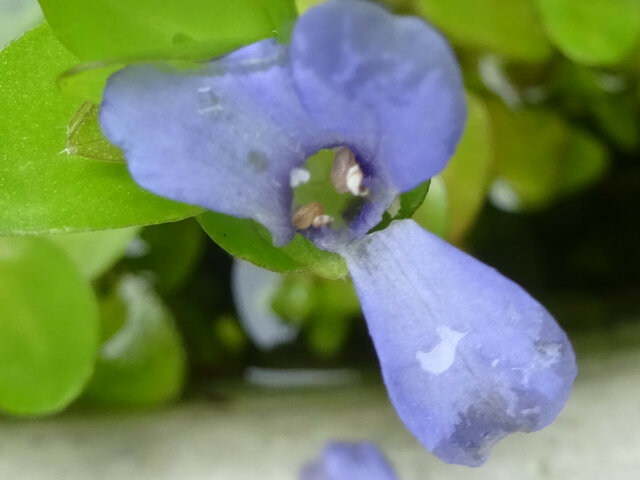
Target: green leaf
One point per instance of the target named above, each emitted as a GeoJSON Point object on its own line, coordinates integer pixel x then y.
{"type": "Point", "coordinates": [529, 145]}
{"type": "Point", "coordinates": [507, 27]}
{"type": "Point", "coordinates": [252, 242]}
{"type": "Point", "coordinates": [594, 32]}
{"type": "Point", "coordinates": [586, 161]}
{"type": "Point", "coordinates": [169, 253]}
{"type": "Point", "coordinates": [43, 189]}
{"type": "Point", "coordinates": [88, 80]}
{"type": "Point", "coordinates": [468, 172]}
{"type": "Point", "coordinates": [433, 214]}
{"type": "Point", "coordinates": [539, 157]}
{"type": "Point", "coordinates": [125, 29]}
{"type": "Point", "coordinates": [323, 308]}
{"type": "Point", "coordinates": [95, 252]}
{"type": "Point", "coordinates": [304, 5]}
{"type": "Point", "coordinates": [143, 361]}
{"type": "Point", "coordinates": [609, 98]}
{"type": "Point", "coordinates": [48, 325]}
{"type": "Point", "coordinates": [404, 206]}
{"type": "Point", "coordinates": [330, 322]}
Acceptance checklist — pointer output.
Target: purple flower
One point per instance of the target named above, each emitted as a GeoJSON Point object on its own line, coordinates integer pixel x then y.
{"type": "Point", "coordinates": [467, 355]}
{"type": "Point", "coordinates": [349, 461]}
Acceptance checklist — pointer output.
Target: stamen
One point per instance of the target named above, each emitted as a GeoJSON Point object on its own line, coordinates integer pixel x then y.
{"type": "Point", "coordinates": [346, 174]}
{"type": "Point", "coordinates": [354, 181]}
{"type": "Point", "coordinates": [344, 160]}
{"type": "Point", "coordinates": [299, 176]}
{"type": "Point", "coordinates": [306, 215]}
{"type": "Point", "coordinates": [322, 220]}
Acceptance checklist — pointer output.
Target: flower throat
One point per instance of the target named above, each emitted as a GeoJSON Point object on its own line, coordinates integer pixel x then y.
{"type": "Point", "coordinates": [328, 190]}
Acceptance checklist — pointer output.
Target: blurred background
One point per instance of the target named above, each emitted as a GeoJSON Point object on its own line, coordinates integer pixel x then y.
{"type": "Point", "coordinates": [197, 366]}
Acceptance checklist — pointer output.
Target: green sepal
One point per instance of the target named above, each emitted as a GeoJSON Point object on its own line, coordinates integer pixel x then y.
{"type": "Point", "coordinates": [252, 242]}
{"type": "Point", "coordinates": [407, 205]}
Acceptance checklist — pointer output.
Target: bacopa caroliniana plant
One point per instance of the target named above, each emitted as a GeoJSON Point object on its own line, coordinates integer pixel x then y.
{"type": "Point", "coordinates": [467, 355]}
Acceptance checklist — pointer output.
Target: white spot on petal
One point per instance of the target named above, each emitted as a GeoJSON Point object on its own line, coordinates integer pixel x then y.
{"type": "Point", "coordinates": [531, 411]}
{"type": "Point", "coordinates": [298, 177]}
{"type": "Point", "coordinates": [441, 357]}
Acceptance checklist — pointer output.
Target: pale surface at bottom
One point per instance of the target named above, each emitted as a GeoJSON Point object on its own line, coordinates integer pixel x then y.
{"type": "Point", "coordinates": [267, 435]}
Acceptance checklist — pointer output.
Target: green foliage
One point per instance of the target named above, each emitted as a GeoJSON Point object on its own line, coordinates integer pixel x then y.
{"type": "Point", "coordinates": [142, 361]}
{"type": "Point", "coordinates": [252, 242]}
{"type": "Point", "coordinates": [304, 5]}
{"type": "Point", "coordinates": [168, 253]}
{"type": "Point", "coordinates": [43, 189]}
{"type": "Point", "coordinates": [143, 29]}
{"type": "Point", "coordinates": [609, 99]}
{"type": "Point", "coordinates": [95, 252]}
{"type": "Point", "coordinates": [594, 32]}
{"type": "Point", "coordinates": [468, 173]}
{"type": "Point", "coordinates": [48, 325]}
{"type": "Point", "coordinates": [586, 162]}
{"type": "Point", "coordinates": [330, 321]}
{"type": "Point", "coordinates": [405, 206]}
{"type": "Point", "coordinates": [550, 138]}
{"type": "Point", "coordinates": [87, 81]}
{"type": "Point", "coordinates": [507, 27]}
{"type": "Point", "coordinates": [433, 214]}
{"type": "Point", "coordinates": [323, 308]}
{"type": "Point", "coordinates": [541, 157]}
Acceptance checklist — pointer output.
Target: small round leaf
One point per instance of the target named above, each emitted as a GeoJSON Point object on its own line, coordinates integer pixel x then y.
{"type": "Point", "coordinates": [48, 327]}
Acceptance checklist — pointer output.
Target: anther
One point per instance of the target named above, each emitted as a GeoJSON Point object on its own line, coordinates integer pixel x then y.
{"type": "Point", "coordinates": [346, 174]}
{"type": "Point", "coordinates": [305, 215]}
{"type": "Point", "coordinates": [321, 221]}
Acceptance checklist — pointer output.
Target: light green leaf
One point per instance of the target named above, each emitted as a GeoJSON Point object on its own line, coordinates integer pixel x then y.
{"type": "Point", "coordinates": [529, 146]}
{"type": "Point", "coordinates": [539, 157]}
{"type": "Point", "coordinates": [95, 252]}
{"type": "Point", "coordinates": [433, 214]}
{"type": "Point", "coordinates": [593, 32]}
{"type": "Point", "coordinates": [252, 242]}
{"type": "Point", "coordinates": [142, 362]}
{"type": "Point", "coordinates": [43, 189]}
{"type": "Point", "coordinates": [49, 327]}
{"type": "Point", "coordinates": [304, 5]}
{"type": "Point", "coordinates": [88, 80]}
{"type": "Point", "coordinates": [507, 27]}
{"type": "Point", "coordinates": [125, 29]}
{"type": "Point", "coordinates": [468, 172]}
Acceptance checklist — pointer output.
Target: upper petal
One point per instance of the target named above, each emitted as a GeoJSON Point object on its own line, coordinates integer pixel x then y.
{"type": "Point", "coordinates": [466, 354]}
{"type": "Point", "coordinates": [360, 69]}
{"type": "Point", "coordinates": [225, 137]}
{"type": "Point", "coordinates": [349, 461]}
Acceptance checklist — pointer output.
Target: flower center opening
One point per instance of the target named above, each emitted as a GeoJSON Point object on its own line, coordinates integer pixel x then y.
{"type": "Point", "coordinates": [328, 190]}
